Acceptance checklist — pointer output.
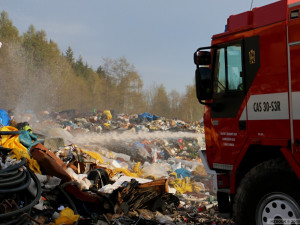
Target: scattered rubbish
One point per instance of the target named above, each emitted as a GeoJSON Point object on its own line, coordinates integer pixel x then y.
{"type": "Point", "coordinates": [103, 168]}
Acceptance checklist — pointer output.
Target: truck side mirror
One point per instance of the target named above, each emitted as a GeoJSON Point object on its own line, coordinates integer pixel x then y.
{"type": "Point", "coordinates": [202, 58]}
{"type": "Point", "coordinates": [204, 88]}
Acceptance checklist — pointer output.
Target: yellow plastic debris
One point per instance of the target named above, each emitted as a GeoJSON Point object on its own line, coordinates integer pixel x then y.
{"type": "Point", "coordinates": [19, 151]}
{"type": "Point", "coordinates": [107, 115]}
{"type": "Point", "coordinates": [32, 163]}
{"type": "Point", "coordinates": [137, 169]}
{"type": "Point", "coordinates": [183, 185]}
{"type": "Point", "coordinates": [198, 187]}
{"type": "Point", "coordinates": [66, 216]}
{"type": "Point", "coordinates": [106, 125]}
{"type": "Point", "coordinates": [11, 141]}
{"type": "Point", "coordinates": [111, 173]}
{"type": "Point", "coordinates": [94, 155]}
{"type": "Point", "coordinates": [173, 174]}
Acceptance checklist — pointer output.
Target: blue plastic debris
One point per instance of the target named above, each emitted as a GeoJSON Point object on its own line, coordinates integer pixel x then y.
{"type": "Point", "coordinates": [182, 173]}
{"type": "Point", "coordinates": [4, 118]}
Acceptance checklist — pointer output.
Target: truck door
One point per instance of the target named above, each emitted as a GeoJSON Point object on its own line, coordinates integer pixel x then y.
{"type": "Point", "coordinates": [295, 89]}
{"type": "Point", "coordinates": [228, 104]}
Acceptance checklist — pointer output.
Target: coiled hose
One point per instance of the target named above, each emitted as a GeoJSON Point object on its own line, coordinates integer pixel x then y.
{"type": "Point", "coordinates": [15, 179]}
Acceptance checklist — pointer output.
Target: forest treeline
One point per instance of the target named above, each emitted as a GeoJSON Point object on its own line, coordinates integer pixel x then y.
{"type": "Point", "coordinates": [36, 75]}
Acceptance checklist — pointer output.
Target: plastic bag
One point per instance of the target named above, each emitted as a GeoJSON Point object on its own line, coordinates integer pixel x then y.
{"type": "Point", "coordinates": [141, 151]}
{"type": "Point", "coordinates": [146, 116]}
{"type": "Point", "coordinates": [182, 173]}
{"type": "Point", "coordinates": [155, 170]}
{"type": "Point", "coordinates": [4, 118]}
{"type": "Point", "coordinates": [183, 185]}
{"type": "Point", "coordinates": [67, 216]}
{"type": "Point", "coordinates": [11, 141]}
{"type": "Point", "coordinates": [107, 115]}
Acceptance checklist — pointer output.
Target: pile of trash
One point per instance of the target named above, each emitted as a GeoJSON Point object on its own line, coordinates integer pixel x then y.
{"type": "Point", "coordinates": [102, 168]}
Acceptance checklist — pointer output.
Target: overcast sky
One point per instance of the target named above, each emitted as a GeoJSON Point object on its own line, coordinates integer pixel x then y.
{"type": "Point", "coordinates": [158, 37]}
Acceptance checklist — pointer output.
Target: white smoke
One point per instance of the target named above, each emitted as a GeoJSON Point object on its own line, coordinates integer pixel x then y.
{"type": "Point", "coordinates": [116, 137]}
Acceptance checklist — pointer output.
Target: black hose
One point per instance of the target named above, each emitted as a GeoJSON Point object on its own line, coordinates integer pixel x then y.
{"type": "Point", "coordinates": [35, 200]}
{"type": "Point", "coordinates": [13, 182]}
{"type": "Point", "coordinates": [24, 221]}
{"type": "Point", "coordinates": [10, 132]}
{"type": "Point", "coordinates": [6, 150]}
{"type": "Point", "coordinates": [14, 179]}
{"type": "Point", "coordinates": [14, 167]}
{"type": "Point", "coordinates": [16, 175]}
{"type": "Point", "coordinates": [19, 220]}
{"type": "Point", "coordinates": [9, 174]}
{"type": "Point", "coordinates": [20, 188]}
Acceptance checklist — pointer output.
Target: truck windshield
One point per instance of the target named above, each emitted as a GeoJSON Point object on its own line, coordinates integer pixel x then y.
{"type": "Point", "coordinates": [228, 68]}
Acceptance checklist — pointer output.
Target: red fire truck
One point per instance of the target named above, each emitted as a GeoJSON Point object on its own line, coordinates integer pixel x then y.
{"type": "Point", "coordinates": [249, 82]}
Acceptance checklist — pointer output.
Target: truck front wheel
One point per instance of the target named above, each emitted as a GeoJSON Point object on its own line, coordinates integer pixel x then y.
{"type": "Point", "coordinates": [268, 194]}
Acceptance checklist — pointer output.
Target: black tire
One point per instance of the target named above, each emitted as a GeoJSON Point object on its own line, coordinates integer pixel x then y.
{"type": "Point", "coordinates": [223, 202]}
{"type": "Point", "coordinates": [268, 183]}
{"type": "Point", "coordinates": [98, 180]}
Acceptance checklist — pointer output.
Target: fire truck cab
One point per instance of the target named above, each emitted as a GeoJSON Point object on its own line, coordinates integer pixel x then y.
{"type": "Point", "coordinates": [249, 82]}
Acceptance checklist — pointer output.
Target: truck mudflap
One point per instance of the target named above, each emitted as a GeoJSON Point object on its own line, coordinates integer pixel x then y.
{"type": "Point", "coordinates": [202, 154]}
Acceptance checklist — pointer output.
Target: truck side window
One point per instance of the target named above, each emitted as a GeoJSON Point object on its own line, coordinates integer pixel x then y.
{"type": "Point", "coordinates": [234, 64]}
{"type": "Point", "coordinates": [220, 74]}
{"type": "Point", "coordinates": [228, 69]}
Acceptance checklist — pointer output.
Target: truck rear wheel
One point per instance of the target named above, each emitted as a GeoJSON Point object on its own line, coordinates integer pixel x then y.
{"type": "Point", "coordinates": [223, 202]}
{"type": "Point", "coordinates": [268, 194]}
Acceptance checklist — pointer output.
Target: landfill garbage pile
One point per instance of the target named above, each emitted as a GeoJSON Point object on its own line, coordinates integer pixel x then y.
{"type": "Point", "coordinates": [101, 168]}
